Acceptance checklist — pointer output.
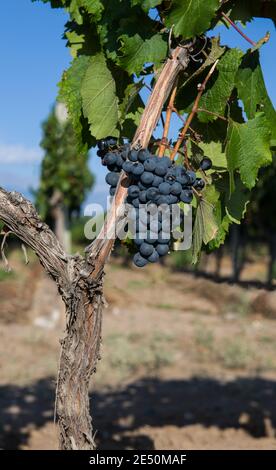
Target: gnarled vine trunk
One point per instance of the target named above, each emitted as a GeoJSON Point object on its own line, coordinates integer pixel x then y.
{"type": "Point", "coordinates": [80, 279]}
{"type": "Point", "coordinates": [80, 351]}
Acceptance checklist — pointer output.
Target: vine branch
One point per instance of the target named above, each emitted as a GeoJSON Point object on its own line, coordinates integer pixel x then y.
{"type": "Point", "coordinates": [253, 43]}
{"type": "Point", "coordinates": [193, 112]}
{"type": "Point", "coordinates": [100, 249]}
{"type": "Point", "coordinates": [22, 219]}
{"type": "Point", "coordinates": [170, 108]}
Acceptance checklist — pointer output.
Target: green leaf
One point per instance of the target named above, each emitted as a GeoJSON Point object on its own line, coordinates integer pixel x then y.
{"type": "Point", "coordinates": [191, 17]}
{"type": "Point", "coordinates": [247, 148]}
{"type": "Point", "coordinates": [137, 51]}
{"type": "Point", "coordinates": [146, 4]}
{"type": "Point", "coordinates": [69, 93]}
{"type": "Point", "coordinates": [235, 204]}
{"type": "Point", "coordinates": [252, 90]}
{"type": "Point", "coordinates": [215, 53]}
{"type": "Point", "coordinates": [131, 109]}
{"type": "Point", "coordinates": [245, 10]}
{"type": "Point", "coordinates": [220, 85]}
{"type": "Point", "coordinates": [100, 103]}
{"type": "Point", "coordinates": [205, 226]}
{"type": "Point", "coordinates": [94, 7]}
{"type": "Point", "coordinates": [214, 151]}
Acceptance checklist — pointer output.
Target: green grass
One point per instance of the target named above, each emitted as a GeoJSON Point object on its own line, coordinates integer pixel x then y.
{"type": "Point", "coordinates": [204, 338]}
{"type": "Point", "coordinates": [236, 354]}
{"type": "Point", "coordinates": [5, 276]}
{"type": "Point", "coordinates": [138, 284]}
{"type": "Point", "coordinates": [128, 354]}
{"type": "Point", "coordinates": [165, 306]}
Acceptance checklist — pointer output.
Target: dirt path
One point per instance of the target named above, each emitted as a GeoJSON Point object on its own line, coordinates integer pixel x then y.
{"type": "Point", "coordinates": [186, 364]}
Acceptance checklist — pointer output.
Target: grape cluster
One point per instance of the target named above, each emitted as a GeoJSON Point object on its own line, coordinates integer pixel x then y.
{"type": "Point", "coordinates": [156, 184]}
{"type": "Point", "coordinates": [113, 158]}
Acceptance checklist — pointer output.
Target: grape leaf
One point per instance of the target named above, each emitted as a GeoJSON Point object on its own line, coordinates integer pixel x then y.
{"type": "Point", "coordinates": [245, 10]}
{"type": "Point", "coordinates": [69, 93]}
{"type": "Point", "coordinates": [214, 151]}
{"type": "Point", "coordinates": [252, 90]}
{"type": "Point", "coordinates": [130, 109]}
{"type": "Point", "coordinates": [220, 85]}
{"type": "Point", "coordinates": [100, 103]}
{"type": "Point", "coordinates": [205, 226]}
{"type": "Point", "coordinates": [247, 148]}
{"type": "Point", "coordinates": [94, 7]}
{"type": "Point", "coordinates": [146, 4]}
{"type": "Point", "coordinates": [191, 17]}
{"type": "Point", "coordinates": [236, 202]}
{"type": "Point", "coordinates": [137, 51]}
{"type": "Point", "coordinates": [214, 54]}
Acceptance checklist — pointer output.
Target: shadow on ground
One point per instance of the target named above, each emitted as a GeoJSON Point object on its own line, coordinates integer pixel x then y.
{"type": "Point", "coordinates": [148, 402]}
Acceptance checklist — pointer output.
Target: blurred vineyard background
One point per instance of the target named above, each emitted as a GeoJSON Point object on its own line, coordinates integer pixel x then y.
{"type": "Point", "coordinates": [188, 358]}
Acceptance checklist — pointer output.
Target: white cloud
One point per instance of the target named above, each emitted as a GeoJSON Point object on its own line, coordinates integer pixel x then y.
{"type": "Point", "coordinates": [19, 154]}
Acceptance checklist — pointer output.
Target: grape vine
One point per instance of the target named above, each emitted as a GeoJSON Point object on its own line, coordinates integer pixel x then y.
{"type": "Point", "coordinates": [119, 47]}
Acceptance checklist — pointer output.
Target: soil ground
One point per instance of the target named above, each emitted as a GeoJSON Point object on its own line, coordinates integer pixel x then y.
{"type": "Point", "coordinates": [186, 363]}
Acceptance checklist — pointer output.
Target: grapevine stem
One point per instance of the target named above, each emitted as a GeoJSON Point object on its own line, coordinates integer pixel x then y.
{"type": "Point", "coordinates": [212, 113]}
{"type": "Point", "coordinates": [170, 108]}
{"type": "Point", "coordinates": [238, 29]}
{"type": "Point", "coordinates": [193, 112]}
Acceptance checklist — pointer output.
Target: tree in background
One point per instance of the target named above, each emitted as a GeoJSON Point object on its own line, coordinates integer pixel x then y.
{"type": "Point", "coordinates": [65, 177]}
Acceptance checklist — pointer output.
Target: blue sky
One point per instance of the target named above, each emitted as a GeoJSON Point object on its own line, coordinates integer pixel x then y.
{"type": "Point", "coordinates": [33, 56]}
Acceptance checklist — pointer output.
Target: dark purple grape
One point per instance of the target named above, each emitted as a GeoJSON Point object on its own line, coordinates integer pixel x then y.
{"type": "Point", "coordinates": [137, 169]}
{"type": "Point", "coordinates": [199, 184]}
{"type": "Point", "coordinates": [101, 153]}
{"type": "Point", "coordinates": [156, 181]}
{"type": "Point", "coordinates": [150, 164]}
{"type": "Point", "coordinates": [162, 200]}
{"type": "Point", "coordinates": [152, 193]}
{"type": "Point", "coordinates": [139, 261]}
{"type": "Point", "coordinates": [154, 257]}
{"type": "Point", "coordinates": [176, 188]}
{"type": "Point", "coordinates": [110, 158]}
{"type": "Point", "coordinates": [206, 164]}
{"type": "Point", "coordinates": [143, 155]}
{"type": "Point", "coordinates": [125, 152]}
{"type": "Point", "coordinates": [162, 249]}
{"type": "Point", "coordinates": [112, 178]}
{"type": "Point", "coordinates": [133, 191]}
{"type": "Point", "coordinates": [164, 188]}
{"type": "Point", "coordinates": [135, 202]}
{"type": "Point", "coordinates": [138, 241]}
{"type": "Point", "coordinates": [181, 176]}
{"type": "Point", "coordinates": [192, 177]}
{"type": "Point", "coordinates": [186, 196]}
{"type": "Point", "coordinates": [161, 170]}
{"type": "Point", "coordinates": [170, 177]}
{"type": "Point", "coordinates": [119, 161]}
{"type": "Point", "coordinates": [166, 161]}
{"type": "Point", "coordinates": [127, 166]}
{"type": "Point", "coordinates": [146, 249]}
{"type": "Point", "coordinates": [143, 196]}
{"type": "Point", "coordinates": [147, 177]}
{"type": "Point", "coordinates": [133, 156]}
{"type": "Point", "coordinates": [142, 187]}
{"type": "Point", "coordinates": [112, 190]}
{"type": "Point", "coordinates": [173, 199]}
